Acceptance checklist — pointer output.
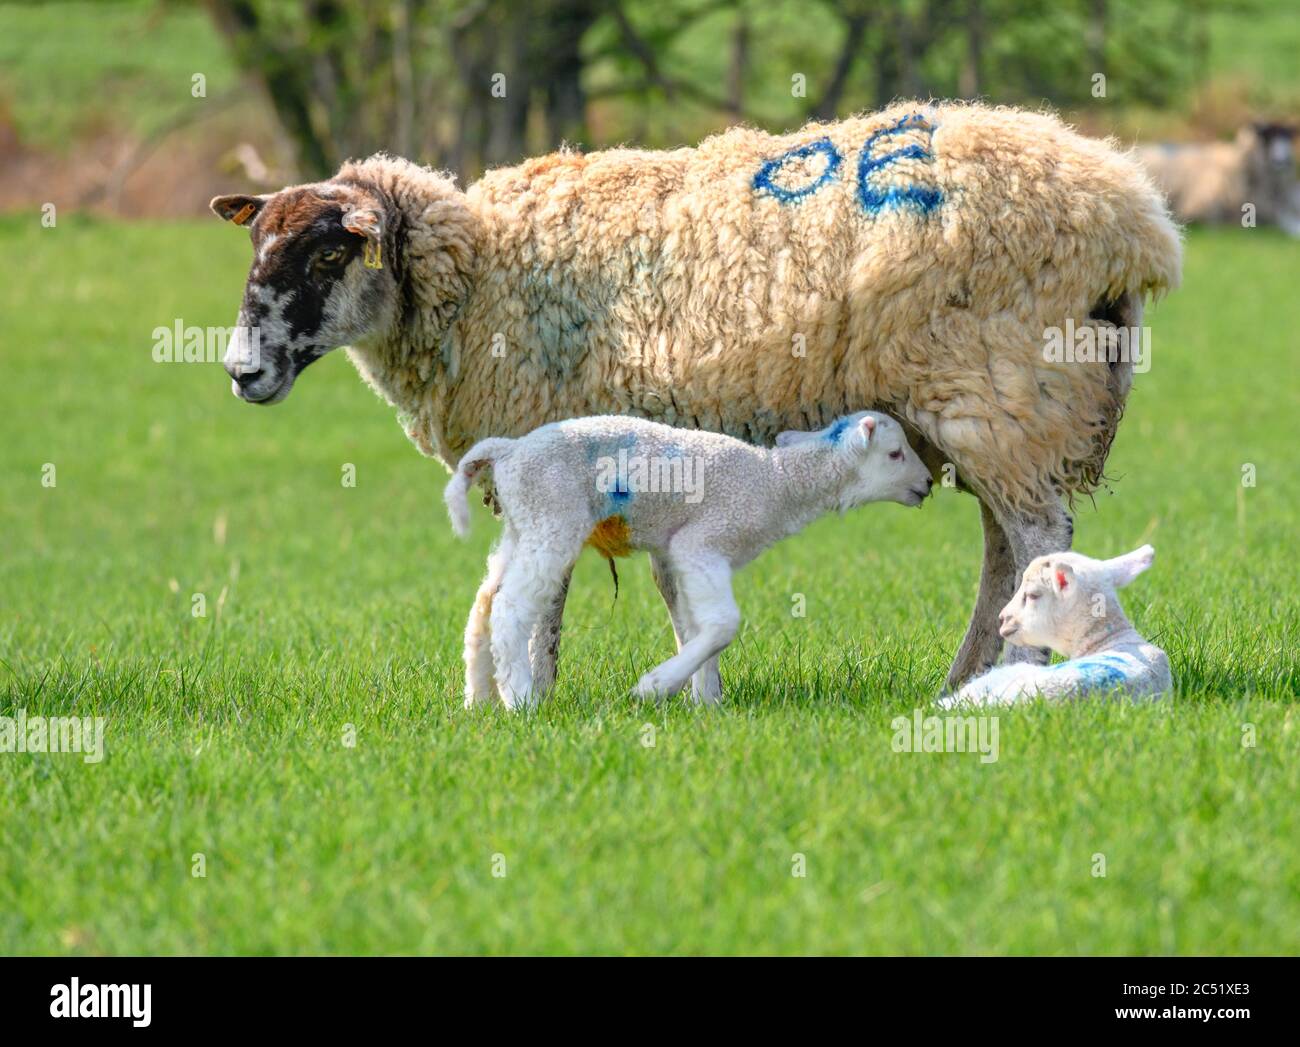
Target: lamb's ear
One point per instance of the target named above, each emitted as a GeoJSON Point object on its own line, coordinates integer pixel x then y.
{"type": "Point", "coordinates": [239, 208]}
{"type": "Point", "coordinates": [862, 435]}
{"type": "Point", "coordinates": [1060, 576]}
{"type": "Point", "coordinates": [1123, 569]}
{"type": "Point", "coordinates": [791, 437]}
{"type": "Point", "coordinates": [364, 221]}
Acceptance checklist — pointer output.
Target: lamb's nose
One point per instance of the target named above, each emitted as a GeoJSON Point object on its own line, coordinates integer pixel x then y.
{"type": "Point", "coordinates": [929, 483]}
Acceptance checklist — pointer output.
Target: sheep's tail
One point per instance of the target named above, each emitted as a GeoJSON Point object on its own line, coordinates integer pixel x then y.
{"type": "Point", "coordinates": [479, 457]}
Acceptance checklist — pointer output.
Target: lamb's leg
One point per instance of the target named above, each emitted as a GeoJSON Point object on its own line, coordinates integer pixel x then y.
{"type": "Point", "coordinates": [706, 682]}
{"type": "Point", "coordinates": [544, 647]}
{"type": "Point", "coordinates": [998, 580]}
{"type": "Point", "coordinates": [479, 686]}
{"type": "Point", "coordinates": [1050, 530]}
{"type": "Point", "coordinates": [704, 593]}
{"type": "Point", "coordinates": [529, 587]}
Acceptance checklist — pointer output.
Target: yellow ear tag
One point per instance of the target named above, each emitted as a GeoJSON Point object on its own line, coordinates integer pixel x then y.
{"type": "Point", "coordinates": [371, 259]}
{"type": "Point", "coordinates": [241, 216]}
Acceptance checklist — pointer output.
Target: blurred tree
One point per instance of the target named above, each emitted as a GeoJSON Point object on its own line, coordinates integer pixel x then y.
{"type": "Point", "coordinates": [466, 84]}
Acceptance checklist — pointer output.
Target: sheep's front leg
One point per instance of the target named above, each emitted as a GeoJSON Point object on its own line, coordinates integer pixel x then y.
{"type": "Point", "coordinates": [704, 598]}
{"type": "Point", "coordinates": [1033, 535]}
{"type": "Point", "coordinates": [998, 581]}
{"type": "Point", "coordinates": [479, 686]}
{"type": "Point", "coordinates": [530, 584]}
{"type": "Point", "coordinates": [706, 682]}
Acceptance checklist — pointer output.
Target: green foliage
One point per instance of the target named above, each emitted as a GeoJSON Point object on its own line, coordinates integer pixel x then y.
{"type": "Point", "coordinates": [344, 606]}
{"type": "Point", "coordinates": [686, 68]}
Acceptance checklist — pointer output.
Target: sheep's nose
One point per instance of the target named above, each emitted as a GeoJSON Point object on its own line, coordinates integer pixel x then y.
{"type": "Point", "coordinates": [929, 483]}
{"type": "Point", "coordinates": [242, 378]}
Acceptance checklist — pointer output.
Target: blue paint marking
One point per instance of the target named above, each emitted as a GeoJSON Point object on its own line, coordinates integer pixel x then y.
{"type": "Point", "coordinates": [874, 199]}
{"type": "Point", "coordinates": [1100, 672]}
{"type": "Point", "coordinates": [837, 430]}
{"type": "Point", "coordinates": [619, 497]}
{"type": "Point", "coordinates": [764, 180]}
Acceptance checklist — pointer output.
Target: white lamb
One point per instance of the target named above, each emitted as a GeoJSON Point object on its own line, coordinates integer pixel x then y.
{"type": "Point", "coordinates": [702, 504]}
{"type": "Point", "coordinates": [1067, 602]}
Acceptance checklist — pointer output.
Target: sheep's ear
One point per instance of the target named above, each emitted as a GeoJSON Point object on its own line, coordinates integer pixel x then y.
{"type": "Point", "coordinates": [791, 437]}
{"type": "Point", "coordinates": [364, 221]}
{"type": "Point", "coordinates": [1123, 569]}
{"type": "Point", "coordinates": [1061, 577]}
{"type": "Point", "coordinates": [239, 208]}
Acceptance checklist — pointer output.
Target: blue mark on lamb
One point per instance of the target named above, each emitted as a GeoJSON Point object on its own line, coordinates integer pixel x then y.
{"type": "Point", "coordinates": [836, 432]}
{"type": "Point", "coordinates": [764, 181]}
{"type": "Point", "coordinates": [1098, 672]}
{"type": "Point", "coordinates": [874, 199]}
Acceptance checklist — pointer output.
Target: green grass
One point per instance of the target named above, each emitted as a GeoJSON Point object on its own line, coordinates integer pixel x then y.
{"type": "Point", "coordinates": [344, 606]}
{"type": "Point", "coordinates": [77, 68]}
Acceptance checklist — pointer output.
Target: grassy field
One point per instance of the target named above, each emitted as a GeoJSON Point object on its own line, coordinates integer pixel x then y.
{"type": "Point", "coordinates": [335, 611]}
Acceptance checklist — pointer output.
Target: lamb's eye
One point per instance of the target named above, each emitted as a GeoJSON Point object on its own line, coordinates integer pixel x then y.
{"type": "Point", "coordinates": [332, 256]}
{"type": "Point", "coordinates": [896, 455]}
{"type": "Point", "coordinates": [1031, 596]}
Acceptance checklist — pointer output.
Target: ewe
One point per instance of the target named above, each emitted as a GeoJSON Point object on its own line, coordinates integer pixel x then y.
{"type": "Point", "coordinates": [1212, 182]}
{"type": "Point", "coordinates": [557, 483]}
{"type": "Point", "coordinates": [912, 261]}
{"type": "Point", "coordinates": [1067, 602]}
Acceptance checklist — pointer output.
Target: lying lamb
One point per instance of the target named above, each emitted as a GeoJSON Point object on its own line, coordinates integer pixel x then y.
{"type": "Point", "coordinates": [1067, 602]}
{"type": "Point", "coordinates": [642, 485]}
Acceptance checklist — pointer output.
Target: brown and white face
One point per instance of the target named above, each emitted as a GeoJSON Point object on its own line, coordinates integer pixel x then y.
{"type": "Point", "coordinates": [1060, 590]}
{"type": "Point", "coordinates": [321, 277]}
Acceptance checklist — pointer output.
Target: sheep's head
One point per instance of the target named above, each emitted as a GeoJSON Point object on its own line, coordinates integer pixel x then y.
{"type": "Point", "coordinates": [1273, 143]}
{"type": "Point", "coordinates": [321, 277]}
{"type": "Point", "coordinates": [1062, 594]}
{"type": "Point", "coordinates": [882, 465]}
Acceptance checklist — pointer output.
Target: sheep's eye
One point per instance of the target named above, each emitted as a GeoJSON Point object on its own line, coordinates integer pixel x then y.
{"type": "Point", "coordinates": [1032, 596]}
{"type": "Point", "coordinates": [330, 257]}
{"type": "Point", "coordinates": [896, 455]}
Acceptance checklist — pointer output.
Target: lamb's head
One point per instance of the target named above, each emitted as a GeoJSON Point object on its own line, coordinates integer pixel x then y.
{"type": "Point", "coordinates": [321, 278]}
{"type": "Point", "coordinates": [1062, 595]}
{"type": "Point", "coordinates": [877, 463]}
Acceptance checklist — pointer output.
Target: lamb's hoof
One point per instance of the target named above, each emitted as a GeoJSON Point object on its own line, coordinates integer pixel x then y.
{"type": "Point", "coordinates": [653, 687]}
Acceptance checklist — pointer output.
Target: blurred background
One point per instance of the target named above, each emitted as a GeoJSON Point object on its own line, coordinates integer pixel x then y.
{"type": "Point", "coordinates": [149, 107]}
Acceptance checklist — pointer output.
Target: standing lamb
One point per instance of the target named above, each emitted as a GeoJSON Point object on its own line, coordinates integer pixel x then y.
{"type": "Point", "coordinates": [702, 504]}
{"type": "Point", "coordinates": [1067, 602]}
{"type": "Point", "coordinates": [911, 261]}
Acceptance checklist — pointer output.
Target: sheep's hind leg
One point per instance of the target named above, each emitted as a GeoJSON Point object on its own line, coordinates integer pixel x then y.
{"type": "Point", "coordinates": [706, 682]}
{"type": "Point", "coordinates": [1032, 535]}
{"type": "Point", "coordinates": [704, 598]}
{"type": "Point", "coordinates": [529, 587]}
{"type": "Point", "coordinates": [479, 685]}
{"type": "Point", "coordinates": [998, 580]}
{"type": "Point", "coordinates": [544, 647]}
